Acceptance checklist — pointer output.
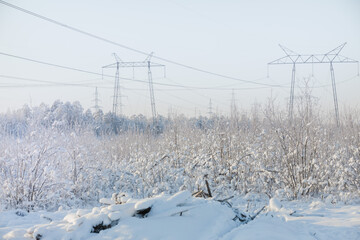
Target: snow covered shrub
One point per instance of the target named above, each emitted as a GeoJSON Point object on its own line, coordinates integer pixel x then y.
{"type": "Point", "coordinates": [68, 157]}
{"type": "Point", "coordinates": [29, 173]}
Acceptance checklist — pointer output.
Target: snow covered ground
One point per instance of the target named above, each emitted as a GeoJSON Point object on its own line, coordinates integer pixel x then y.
{"type": "Point", "coordinates": [181, 216]}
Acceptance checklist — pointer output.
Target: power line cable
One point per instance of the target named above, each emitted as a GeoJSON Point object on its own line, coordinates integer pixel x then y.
{"type": "Point", "coordinates": [52, 84]}
{"type": "Point", "coordinates": [46, 83]}
{"type": "Point", "coordinates": [86, 71]}
{"type": "Point", "coordinates": [85, 83]}
{"type": "Point", "coordinates": [123, 78]}
{"type": "Point", "coordinates": [130, 48]}
{"type": "Point", "coordinates": [162, 101]}
{"type": "Point", "coordinates": [184, 100]}
{"type": "Point", "coordinates": [43, 81]}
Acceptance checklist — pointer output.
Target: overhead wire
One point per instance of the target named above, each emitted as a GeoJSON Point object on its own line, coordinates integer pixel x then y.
{"type": "Point", "coordinates": [81, 83]}
{"type": "Point", "coordinates": [162, 101]}
{"type": "Point", "coordinates": [131, 48]}
{"type": "Point", "coordinates": [124, 78]}
{"type": "Point", "coordinates": [265, 85]}
{"type": "Point", "coordinates": [183, 99]}
{"type": "Point", "coordinates": [82, 70]}
{"type": "Point", "coordinates": [84, 84]}
{"type": "Point", "coordinates": [46, 83]}
{"type": "Point", "coordinates": [94, 84]}
{"type": "Point", "coordinates": [340, 82]}
{"type": "Point", "coordinates": [200, 94]}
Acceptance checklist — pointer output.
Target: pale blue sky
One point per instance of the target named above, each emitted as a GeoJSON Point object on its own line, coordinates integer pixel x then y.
{"type": "Point", "coordinates": [234, 38]}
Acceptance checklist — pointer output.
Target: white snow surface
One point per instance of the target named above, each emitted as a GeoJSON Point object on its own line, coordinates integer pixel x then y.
{"type": "Point", "coordinates": [181, 216]}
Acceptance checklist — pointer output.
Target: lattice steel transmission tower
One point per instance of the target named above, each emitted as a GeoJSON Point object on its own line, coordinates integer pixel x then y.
{"type": "Point", "coordinates": [96, 100]}
{"type": "Point", "coordinates": [146, 63]}
{"type": "Point", "coordinates": [233, 110]}
{"type": "Point", "coordinates": [233, 107]}
{"type": "Point", "coordinates": [331, 57]}
{"type": "Point", "coordinates": [210, 109]}
{"type": "Point", "coordinates": [117, 105]}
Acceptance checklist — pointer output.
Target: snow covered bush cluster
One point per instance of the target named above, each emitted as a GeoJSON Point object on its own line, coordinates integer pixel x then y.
{"type": "Point", "coordinates": [65, 156]}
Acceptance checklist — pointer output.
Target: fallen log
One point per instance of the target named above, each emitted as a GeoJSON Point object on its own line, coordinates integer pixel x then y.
{"type": "Point", "coordinates": [142, 213]}
{"type": "Point", "coordinates": [101, 226]}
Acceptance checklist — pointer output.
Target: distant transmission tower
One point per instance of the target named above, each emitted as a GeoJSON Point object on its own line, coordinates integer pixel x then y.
{"type": "Point", "coordinates": [330, 57]}
{"type": "Point", "coordinates": [210, 109]}
{"type": "Point", "coordinates": [96, 100]}
{"type": "Point", "coordinates": [117, 105]}
{"type": "Point", "coordinates": [233, 108]}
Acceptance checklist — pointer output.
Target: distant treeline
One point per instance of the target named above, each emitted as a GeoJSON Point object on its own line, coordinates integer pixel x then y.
{"type": "Point", "coordinates": [72, 116]}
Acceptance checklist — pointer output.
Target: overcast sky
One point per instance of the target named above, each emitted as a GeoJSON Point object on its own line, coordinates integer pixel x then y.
{"type": "Point", "coordinates": [232, 38]}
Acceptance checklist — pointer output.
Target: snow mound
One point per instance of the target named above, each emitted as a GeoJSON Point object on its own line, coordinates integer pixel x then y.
{"type": "Point", "coordinates": [179, 216]}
